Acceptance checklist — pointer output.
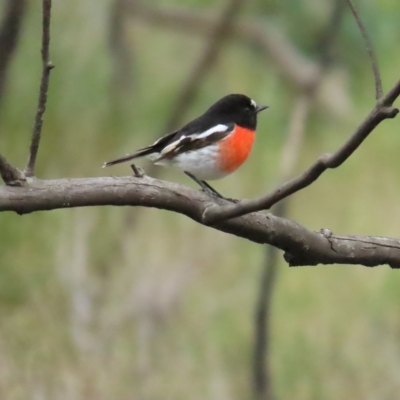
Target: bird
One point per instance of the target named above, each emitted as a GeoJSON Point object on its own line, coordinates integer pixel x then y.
{"type": "Point", "coordinates": [209, 147]}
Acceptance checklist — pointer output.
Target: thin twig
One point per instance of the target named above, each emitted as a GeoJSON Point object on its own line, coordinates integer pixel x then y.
{"type": "Point", "coordinates": [122, 78]}
{"type": "Point", "coordinates": [383, 110]}
{"type": "Point", "coordinates": [44, 85]}
{"type": "Point", "coordinates": [9, 34]}
{"type": "Point", "coordinates": [370, 49]}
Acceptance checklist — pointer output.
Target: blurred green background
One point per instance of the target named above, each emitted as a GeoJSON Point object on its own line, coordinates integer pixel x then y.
{"type": "Point", "coordinates": [119, 303]}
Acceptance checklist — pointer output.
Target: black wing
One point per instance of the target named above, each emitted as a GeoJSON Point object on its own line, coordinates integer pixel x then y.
{"type": "Point", "coordinates": [195, 141]}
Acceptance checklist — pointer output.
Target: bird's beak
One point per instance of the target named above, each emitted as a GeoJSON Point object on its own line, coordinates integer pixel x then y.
{"type": "Point", "coordinates": [260, 108]}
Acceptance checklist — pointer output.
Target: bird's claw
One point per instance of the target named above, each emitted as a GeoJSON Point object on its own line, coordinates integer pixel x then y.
{"type": "Point", "coordinates": [216, 195]}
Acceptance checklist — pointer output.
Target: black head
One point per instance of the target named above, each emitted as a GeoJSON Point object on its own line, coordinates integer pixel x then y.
{"type": "Point", "coordinates": [236, 108]}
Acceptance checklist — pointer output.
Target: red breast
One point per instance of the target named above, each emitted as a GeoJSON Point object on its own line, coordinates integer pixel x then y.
{"type": "Point", "coordinates": [234, 150]}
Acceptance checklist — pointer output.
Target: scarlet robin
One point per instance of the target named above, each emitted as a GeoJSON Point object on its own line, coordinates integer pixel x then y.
{"type": "Point", "coordinates": [211, 146]}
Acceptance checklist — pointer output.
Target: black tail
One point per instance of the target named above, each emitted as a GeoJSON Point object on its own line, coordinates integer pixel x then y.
{"type": "Point", "coordinates": [140, 153]}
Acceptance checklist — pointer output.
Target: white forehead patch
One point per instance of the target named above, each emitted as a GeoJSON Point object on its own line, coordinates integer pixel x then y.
{"type": "Point", "coordinates": [253, 103]}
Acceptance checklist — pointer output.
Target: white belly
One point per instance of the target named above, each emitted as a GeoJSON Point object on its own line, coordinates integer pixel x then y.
{"type": "Point", "coordinates": [201, 163]}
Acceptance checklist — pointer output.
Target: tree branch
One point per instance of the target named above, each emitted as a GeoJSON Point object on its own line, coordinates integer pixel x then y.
{"type": "Point", "coordinates": [370, 50]}
{"type": "Point", "coordinates": [301, 245]}
{"type": "Point", "coordinates": [122, 61]}
{"type": "Point", "coordinates": [9, 35]}
{"type": "Point", "coordinates": [10, 175]}
{"type": "Point", "coordinates": [289, 158]}
{"type": "Point", "coordinates": [44, 85]}
{"type": "Point", "coordinates": [383, 110]}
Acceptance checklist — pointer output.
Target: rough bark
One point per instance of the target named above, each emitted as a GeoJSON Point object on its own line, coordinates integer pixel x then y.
{"type": "Point", "coordinates": [301, 245]}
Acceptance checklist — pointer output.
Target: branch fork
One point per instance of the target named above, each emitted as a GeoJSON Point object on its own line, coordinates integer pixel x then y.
{"type": "Point", "coordinates": [11, 175]}
{"type": "Point", "coordinates": [383, 110]}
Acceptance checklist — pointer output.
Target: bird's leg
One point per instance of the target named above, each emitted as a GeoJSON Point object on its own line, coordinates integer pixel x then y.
{"type": "Point", "coordinates": [212, 190]}
{"type": "Point", "coordinates": [205, 186]}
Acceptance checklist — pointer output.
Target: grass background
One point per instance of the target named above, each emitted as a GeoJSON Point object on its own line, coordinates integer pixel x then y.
{"type": "Point", "coordinates": [119, 303]}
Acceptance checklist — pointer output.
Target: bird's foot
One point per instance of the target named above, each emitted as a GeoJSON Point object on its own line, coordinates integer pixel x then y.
{"type": "Point", "coordinates": [214, 194]}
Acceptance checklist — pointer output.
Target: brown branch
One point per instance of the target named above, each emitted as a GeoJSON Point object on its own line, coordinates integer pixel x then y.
{"type": "Point", "coordinates": [212, 49]}
{"type": "Point", "coordinates": [9, 35]}
{"type": "Point", "coordinates": [301, 245]}
{"type": "Point", "coordinates": [290, 155]}
{"type": "Point", "coordinates": [262, 380]}
{"type": "Point", "coordinates": [44, 85]}
{"type": "Point", "coordinates": [10, 175]}
{"type": "Point", "coordinates": [383, 110]}
{"type": "Point", "coordinates": [370, 50]}
{"type": "Point", "coordinates": [189, 89]}
{"type": "Point", "coordinates": [122, 78]}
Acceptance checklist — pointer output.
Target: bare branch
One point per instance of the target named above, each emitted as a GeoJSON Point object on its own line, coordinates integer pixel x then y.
{"type": "Point", "coordinates": [289, 157]}
{"type": "Point", "coordinates": [44, 85]}
{"type": "Point", "coordinates": [383, 110]}
{"type": "Point", "coordinates": [370, 50]}
{"type": "Point", "coordinates": [301, 245]}
{"type": "Point", "coordinates": [10, 175]}
{"type": "Point", "coordinates": [204, 65]}
{"type": "Point", "coordinates": [9, 35]}
{"type": "Point", "coordinates": [122, 79]}
{"type": "Point", "coordinates": [290, 154]}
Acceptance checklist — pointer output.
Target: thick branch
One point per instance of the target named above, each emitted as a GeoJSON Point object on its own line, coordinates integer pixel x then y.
{"type": "Point", "coordinates": [44, 85]}
{"type": "Point", "coordinates": [383, 110]}
{"type": "Point", "coordinates": [302, 246]}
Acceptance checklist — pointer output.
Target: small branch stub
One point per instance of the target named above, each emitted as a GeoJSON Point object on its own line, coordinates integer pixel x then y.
{"type": "Point", "coordinates": [10, 175]}
{"type": "Point", "coordinates": [137, 171]}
